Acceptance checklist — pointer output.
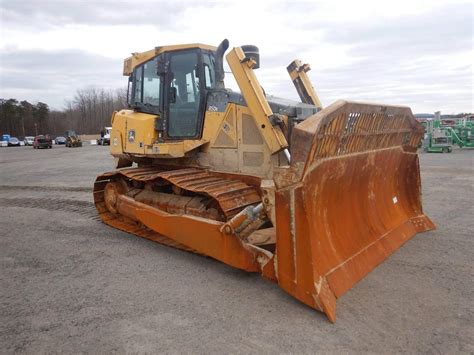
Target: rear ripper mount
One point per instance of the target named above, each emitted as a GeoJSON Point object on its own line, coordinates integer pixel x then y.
{"type": "Point", "coordinates": [349, 199]}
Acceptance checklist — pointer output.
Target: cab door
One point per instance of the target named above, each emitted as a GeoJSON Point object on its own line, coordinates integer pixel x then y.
{"type": "Point", "coordinates": [185, 95]}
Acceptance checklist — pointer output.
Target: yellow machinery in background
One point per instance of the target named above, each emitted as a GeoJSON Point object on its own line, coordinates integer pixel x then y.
{"type": "Point", "coordinates": [72, 139]}
{"type": "Point", "coordinates": [312, 198]}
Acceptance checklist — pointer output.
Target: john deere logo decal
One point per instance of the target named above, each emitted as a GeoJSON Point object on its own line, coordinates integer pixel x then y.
{"type": "Point", "coordinates": [131, 136]}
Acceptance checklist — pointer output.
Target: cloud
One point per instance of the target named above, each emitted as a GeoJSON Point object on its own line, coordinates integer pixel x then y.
{"type": "Point", "coordinates": [447, 28]}
{"type": "Point", "coordinates": [423, 60]}
{"type": "Point", "coordinates": [54, 76]}
{"type": "Point", "coordinates": [42, 14]}
{"type": "Point", "coordinates": [410, 52]}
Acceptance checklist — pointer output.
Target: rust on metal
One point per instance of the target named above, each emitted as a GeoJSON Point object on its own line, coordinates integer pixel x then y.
{"type": "Point", "coordinates": [231, 195]}
{"type": "Point", "coordinates": [349, 199]}
{"type": "Point", "coordinates": [156, 215]}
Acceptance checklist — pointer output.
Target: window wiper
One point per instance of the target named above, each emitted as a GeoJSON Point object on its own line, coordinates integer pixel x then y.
{"type": "Point", "coordinates": [145, 106]}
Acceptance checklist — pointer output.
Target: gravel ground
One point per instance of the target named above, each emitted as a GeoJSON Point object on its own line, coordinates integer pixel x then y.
{"type": "Point", "coordinates": [69, 283]}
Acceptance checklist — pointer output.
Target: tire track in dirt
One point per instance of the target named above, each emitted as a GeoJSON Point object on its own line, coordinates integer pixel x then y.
{"type": "Point", "coordinates": [46, 188]}
{"type": "Point", "coordinates": [84, 208]}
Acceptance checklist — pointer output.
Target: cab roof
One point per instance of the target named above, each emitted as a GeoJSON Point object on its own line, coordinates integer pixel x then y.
{"type": "Point", "coordinates": [138, 58]}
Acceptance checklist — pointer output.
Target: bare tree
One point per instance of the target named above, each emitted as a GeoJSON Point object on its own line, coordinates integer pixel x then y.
{"type": "Point", "coordinates": [88, 112]}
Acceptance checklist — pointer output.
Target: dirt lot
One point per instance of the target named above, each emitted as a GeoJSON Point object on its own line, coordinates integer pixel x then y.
{"type": "Point", "coordinates": [68, 283]}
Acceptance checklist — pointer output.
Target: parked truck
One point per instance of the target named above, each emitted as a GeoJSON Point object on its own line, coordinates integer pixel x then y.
{"type": "Point", "coordinates": [105, 136]}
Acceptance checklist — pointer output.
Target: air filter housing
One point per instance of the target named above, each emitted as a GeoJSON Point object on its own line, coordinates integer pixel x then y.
{"type": "Point", "coordinates": [252, 52]}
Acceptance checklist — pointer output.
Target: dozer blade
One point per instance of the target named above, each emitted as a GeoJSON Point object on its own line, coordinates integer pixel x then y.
{"type": "Point", "coordinates": [350, 198]}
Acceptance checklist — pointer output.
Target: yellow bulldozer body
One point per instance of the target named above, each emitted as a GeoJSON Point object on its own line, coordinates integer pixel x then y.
{"type": "Point", "coordinates": [230, 142]}
{"type": "Point", "coordinates": [312, 205]}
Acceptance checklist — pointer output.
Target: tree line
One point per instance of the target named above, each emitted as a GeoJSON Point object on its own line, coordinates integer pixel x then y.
{"type": "Point", "coordinates": [87, 113]}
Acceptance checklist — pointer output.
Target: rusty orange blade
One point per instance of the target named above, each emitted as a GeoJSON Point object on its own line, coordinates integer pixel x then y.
{"type": "Point", "coordinates": [351, 197]}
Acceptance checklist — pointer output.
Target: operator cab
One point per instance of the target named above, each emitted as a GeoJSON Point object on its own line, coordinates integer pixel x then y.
{"type": "Point", "coordinates": [174, 85]}
{"type": "Point", "coordinates": [180, 83]}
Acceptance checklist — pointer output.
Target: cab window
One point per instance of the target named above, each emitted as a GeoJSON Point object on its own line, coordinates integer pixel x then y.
{"type": "Point", "coordinates": [138, 80]}
{"type": "Point", "coordinates": [151, 84]}
{"type": "Point", "coordinates": [146, 85]}
{"type": "Point", "coordinates": [209, 73]}
{"type": "Point", "coordinates": [185, 95]}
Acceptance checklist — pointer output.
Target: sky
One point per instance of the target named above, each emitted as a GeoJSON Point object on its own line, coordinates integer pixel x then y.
{"type": "Point", "coordinates": [414, 53]}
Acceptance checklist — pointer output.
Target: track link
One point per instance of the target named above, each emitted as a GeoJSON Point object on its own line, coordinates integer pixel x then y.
{"type": "Point", "coordinates": [230, 195]}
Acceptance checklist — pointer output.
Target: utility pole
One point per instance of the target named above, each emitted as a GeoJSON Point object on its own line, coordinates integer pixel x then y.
{"type": "Point", "coordinates": [23, 125]}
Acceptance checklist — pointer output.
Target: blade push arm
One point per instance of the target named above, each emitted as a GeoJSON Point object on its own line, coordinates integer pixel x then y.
{"type": "Point", "coordinates": [254, 97]}
{"type": "Point", "coordinates": [302, 83]}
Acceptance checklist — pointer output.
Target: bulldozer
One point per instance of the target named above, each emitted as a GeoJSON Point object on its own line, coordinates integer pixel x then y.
{"type": "Point", "coordinates": [72, 139]}
{"type": "Point", "coordinates": [311, 198]}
